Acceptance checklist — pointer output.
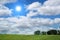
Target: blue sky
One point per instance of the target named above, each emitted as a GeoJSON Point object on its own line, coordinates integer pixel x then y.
{"type": "Point", "coordinates": [23, 11]}
{"type": "Point", "coordinates": [35, 15]}
{"type": "Point", "coordinates": [22, 3]}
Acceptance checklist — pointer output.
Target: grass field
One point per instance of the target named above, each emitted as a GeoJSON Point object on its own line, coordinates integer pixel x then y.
{"type": "Point", "coordinates": [29, 37]}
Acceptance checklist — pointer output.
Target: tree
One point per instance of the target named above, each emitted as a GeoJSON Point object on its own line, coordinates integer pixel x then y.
{"type": "Point", "coordinates": [52, 32]}
{"type": "Point", "coordinates": [58, 32]}
{"type": "Point", "coordinates": [43, 33]}
{"type": "Point", "coordinates": [37, 32]}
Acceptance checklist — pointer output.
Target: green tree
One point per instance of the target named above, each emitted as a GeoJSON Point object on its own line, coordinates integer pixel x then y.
{"type": "Point", "coordinates": [52, 32]}
{"type": "Point", "coordinates": [44, 33]}
{"type": "Point", "coordinates": [58, 32]}
{"type": "Point", "coordinates": [37, 32]}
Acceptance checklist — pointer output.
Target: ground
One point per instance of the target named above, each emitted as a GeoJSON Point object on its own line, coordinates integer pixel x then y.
{"type": "Point", "coordinates": [29, 37]}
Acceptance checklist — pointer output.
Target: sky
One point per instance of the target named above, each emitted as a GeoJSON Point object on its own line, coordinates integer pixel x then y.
{"type": "Point", "coordinates": [34, 15]}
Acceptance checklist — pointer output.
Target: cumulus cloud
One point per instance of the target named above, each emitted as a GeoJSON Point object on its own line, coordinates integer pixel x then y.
{"type": "Point", "coordinates": [33, 9]}
{"type": "Point", "coordinates": [25, 25]}
{"type": "Point", "coordinates": [49, 10]}
{"type": "Point", "coordinates": [7, 1]}
{"type": "Point", "coordinates": [33, 5]}
{"type": "Point", "coordinates": [31, 13]}
{"type": "Point", "coordinates": [5, 11]}
{"type": "Point", "coordinates": [52, 3]}
{"type": "Point", "coordinates": [50, 7]}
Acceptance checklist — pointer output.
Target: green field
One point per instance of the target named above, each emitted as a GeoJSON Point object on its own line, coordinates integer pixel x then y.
{"type": "Point", "coordinates": [29, 37]}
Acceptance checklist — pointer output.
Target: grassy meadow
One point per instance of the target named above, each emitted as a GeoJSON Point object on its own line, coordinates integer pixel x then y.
{"type": "Point", "coordinates": [29, 37]}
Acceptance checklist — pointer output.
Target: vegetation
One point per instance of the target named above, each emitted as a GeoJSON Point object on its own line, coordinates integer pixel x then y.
{"type": "Point", "coordinates": [37, 32]}
{"type": "Point", "coordinates": [44, 33]}
{"type": "Point", "coordinates": [50, 32]}
{"type": "Point", "coordinates": [58, 32]}
{"type": "Point", "coordinates": [29, 37]}
{"type": "Point", "coordinates": [51, 35]}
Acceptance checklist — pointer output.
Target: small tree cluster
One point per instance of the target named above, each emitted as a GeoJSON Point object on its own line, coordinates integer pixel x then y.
{"type": "Point", "coordinates": [50, 32]}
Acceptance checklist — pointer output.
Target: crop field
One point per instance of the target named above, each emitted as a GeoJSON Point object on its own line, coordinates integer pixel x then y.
{"type": "Point", "coordinates": [28, 37]}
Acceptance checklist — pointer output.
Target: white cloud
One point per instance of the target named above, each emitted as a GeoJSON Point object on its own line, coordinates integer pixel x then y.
{"type": "Point", "coordinates": [57, 20]}
{"type": "Point", "coordinates": [7, 1]}
{"type": "Point", "coordinates": [25, 25]}
{"type": "Point", "coordinates": [33, 5]}
{"type": "Point", "coordinates": [31, 13]}
{"type": "Point", "coordinates": [50, 7]}
{"type": "Point", "coordinates": [5, 11]}
{"type": "Point", "coordinates": [33, 9]}
{"type": "Point", "coordinates": [49, 10]}
{"type": "Point", "coordinates": [52, 3]}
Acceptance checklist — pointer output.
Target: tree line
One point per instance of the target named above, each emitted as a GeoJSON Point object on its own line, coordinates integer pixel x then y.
{"type": "Point", "coordinates": [50, 32]}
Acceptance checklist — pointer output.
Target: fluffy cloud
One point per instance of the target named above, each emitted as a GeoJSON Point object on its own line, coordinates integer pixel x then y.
{"type": "Point", "coordinates": [49, 10]}
{"type": "Point", "coordinates": [50, 7]}
{"type": "Point", "coordinates": [33, 5]}
{"type": "Point", "coordinates": [25, 25]}
{"type": "Point", "coordinates": [52, 3]}
{"type": "Point", "coordinates": [31, 13]}
{"type": "Point", "coordinates": [33, 8]}
{"type": "Point", "coordinates": [4, 11]}
{"type": "Point", "coordinates": [6, 1]}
